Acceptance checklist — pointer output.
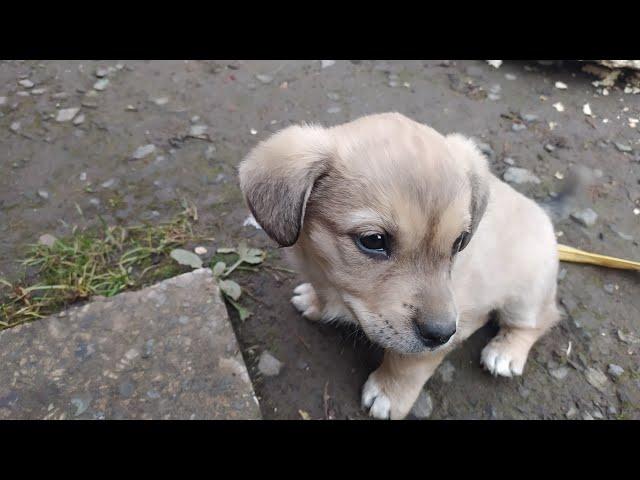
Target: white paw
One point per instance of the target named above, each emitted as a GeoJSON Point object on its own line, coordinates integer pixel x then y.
{"type": "Point", "coordinates": [501, 359]}
{"type": "Point", "coordinates": [306, 301]}
{"type": "Point", "coordinates": [374, 400]}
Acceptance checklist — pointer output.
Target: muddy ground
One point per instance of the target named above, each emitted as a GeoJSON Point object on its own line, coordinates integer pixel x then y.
{"type": "Point", "coordinates": [58, 174]}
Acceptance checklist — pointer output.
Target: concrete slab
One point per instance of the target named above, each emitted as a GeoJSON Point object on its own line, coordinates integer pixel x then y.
{"type": "Point", "coordinates": [165, 352]}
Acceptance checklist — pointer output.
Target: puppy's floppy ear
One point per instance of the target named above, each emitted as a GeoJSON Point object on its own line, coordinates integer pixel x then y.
{"type": "Point", "coordinates": [277, 176]}
{"type": "Point", "coordinates": [465, 151]}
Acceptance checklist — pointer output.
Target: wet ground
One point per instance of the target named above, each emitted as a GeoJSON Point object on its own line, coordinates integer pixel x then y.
{"type": "Point", "coordinates": [203, 116]}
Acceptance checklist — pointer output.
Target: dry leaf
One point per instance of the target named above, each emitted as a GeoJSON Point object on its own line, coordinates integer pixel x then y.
{"type": "Point", "coordinates": [304, 415]}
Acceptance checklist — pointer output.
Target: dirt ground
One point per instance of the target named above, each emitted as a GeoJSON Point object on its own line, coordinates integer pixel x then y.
{"type": "Point", "coordinates": [58, 174]}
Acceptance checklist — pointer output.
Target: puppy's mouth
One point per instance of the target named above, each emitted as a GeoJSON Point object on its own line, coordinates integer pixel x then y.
{"type": "Point", "coordinates": [383, 333]}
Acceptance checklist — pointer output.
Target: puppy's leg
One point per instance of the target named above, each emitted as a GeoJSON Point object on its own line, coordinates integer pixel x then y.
{"type": "Point", "coordinates": [506, 354]}
{"type": "Point", "coordinates": [307, 302]}
{"type": "Point", "coordinates": [393, 388]}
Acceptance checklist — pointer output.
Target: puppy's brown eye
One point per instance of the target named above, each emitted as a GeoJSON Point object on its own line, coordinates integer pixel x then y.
{"type": "Point", "coordinates": [374, 244]}
{"type": "Point", "coordinates": [460, 243]}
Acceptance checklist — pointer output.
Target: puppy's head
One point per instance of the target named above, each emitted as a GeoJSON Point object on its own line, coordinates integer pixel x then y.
{"type": "Point", "coordinates": [382, 206]}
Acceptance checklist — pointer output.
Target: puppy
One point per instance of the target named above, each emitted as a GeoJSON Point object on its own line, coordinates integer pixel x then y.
{"type": "Point", "coordinates": [407, 234]}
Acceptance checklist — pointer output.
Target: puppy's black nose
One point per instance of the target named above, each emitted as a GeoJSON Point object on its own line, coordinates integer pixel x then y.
{"type": "Point", "coordinates": [434, 334]}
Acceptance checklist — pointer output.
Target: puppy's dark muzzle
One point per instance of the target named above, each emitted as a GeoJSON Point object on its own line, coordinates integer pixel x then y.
{"type": "Point", "coordinates": [434, 333]}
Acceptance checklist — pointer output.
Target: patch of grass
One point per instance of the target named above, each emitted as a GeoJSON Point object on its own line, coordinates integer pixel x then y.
{"type": "Point", "coordinates": [101, 261]}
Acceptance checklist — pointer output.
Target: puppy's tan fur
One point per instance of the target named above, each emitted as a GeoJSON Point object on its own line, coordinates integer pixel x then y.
{"type": "Point", "coordinates": [315, 189]}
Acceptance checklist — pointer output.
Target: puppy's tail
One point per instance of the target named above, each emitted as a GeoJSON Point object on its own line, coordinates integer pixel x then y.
{"type": "Point", "coordinates": [575, 186]}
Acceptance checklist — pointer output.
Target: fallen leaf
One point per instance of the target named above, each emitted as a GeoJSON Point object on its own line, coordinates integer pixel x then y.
{"type": "Point", "coordinates": [218, 268]}
{"type": "Point", "coordinates": [304, 415]}
{"type": "Point", "coordinates": [184, 257]}
{"type": "Point", "coordinates": [230, 288]}
{"type": "Point", "coordinates": [243, 312]}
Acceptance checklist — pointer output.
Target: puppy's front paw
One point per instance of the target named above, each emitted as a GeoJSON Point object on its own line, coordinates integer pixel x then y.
{"type": "Point", "coordinates": [387, 398]}
{"type": "Point", "coordinates": [375, 400]}
{"type": "Point", "coordinates": [306, 301]}
{"type": "Point", "coordinates": [501, 357]}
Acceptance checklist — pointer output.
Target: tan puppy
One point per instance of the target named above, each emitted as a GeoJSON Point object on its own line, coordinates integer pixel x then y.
{"type": "Point", "coordinates": [406, 233]}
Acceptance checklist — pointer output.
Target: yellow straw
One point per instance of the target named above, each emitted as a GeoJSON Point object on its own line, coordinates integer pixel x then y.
{"type": "Point", "coordinates": [570, 254]}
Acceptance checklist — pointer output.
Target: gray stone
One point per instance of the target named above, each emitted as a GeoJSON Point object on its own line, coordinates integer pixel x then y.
{"type": "Point", "coordinates": [530, 117]}
{"type": "Point", "coordinates": [269, 365]}
{"type": "Point", "coordinates": [143, 151]}
{"type": "Point", "coordinates": [519, 176]}
{"type": "Point", "coordinates": [586, 217]}
{"type": "Point", "coordinates": [629, 338]}
{"type": "Point", "coordinates": [101, 72]}
{"type": "Point", "coordinates": [210, 152]}
{"type": "Point", "coordinates": [423, 408]}
{"type": "Point", "coordinates": [615, 370]}
{"type": "Point", "coordinates": [96, 361]}
{"type": "Point", "coordinates": [334, 110]}
{"type": "Point", "coordinates": [266, 79]}
{"type": "Point", "coordinates": [101, 84]}
{"type": "Point", "coordinates": [559, 373]}
{"type": "Point", "coordinates": [47, 239]}
{"type": "Point", "coordinates": [199, 131]}
{"type": "Point", "coordinates": [43, 194]}
{"type": "Point", "coordinates": [14, 127]}
{"type": "Point", "coordinates": [572, 412]}
{"type": "Point", "coordinates": [549, 147]}
{"type": "Point", "coordinates": [517, 127]}
{"type": "Point", "coordinates": [26, 83]}
{"type": "Point", "coordinates": [79, 120]}
{"type": "Point", "coordinates": [622, 147]}
{"type": "Point", "coordinates": [596, 378]}
{"type": "Point", "coordinates": [609, 288]}
{"type": "Point", "coordinates": [327, 63]}
{"type": "Point", "coordinates": [67, 114]}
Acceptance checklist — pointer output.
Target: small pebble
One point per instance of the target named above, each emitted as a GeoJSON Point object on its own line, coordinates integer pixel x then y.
{"type": "Point", "coordinates": [334, 110]}
{"type": "Point", "coordinates": [558, 106]}
{"type": "Point", "coordinates": [609, 288]}
{"type": "Point", "coordinates": [622, 147]}
{"type": "Point", "coordinates": [517, 127]}
{"type": "Point", "coordinates": [15, 126]}
{"type": "Point", "coordinates": [160, 101]}
{"type": "Point", "coordinates": [268, 365]}
{"type": "Point", "coordinates": [143, 151]}
{"type": "Point", "coordinates": [266, 79]}
{"type": "Point", "coordinates": [519, 176]}
{"type": "Point", "coordinates": [101, 84]}
{"type": "Point", "coordinates": [423, 406]}
{"type": "Point", "coordinates": [67, 114]}
{"type": "Point", "coordinates": [200, 250]}
{"type": "Point", "coordinates": [43, 194]}
{"type": "Point", "coordinates": [79, 119]}
{"type": "Point", "coordinates": [47, 239]}
{"type": "Point", "coordinates": [327, 63]}
{"type": "Point", "coordinates": [26, 83]}
{"type": "Point", "coordinates": [615, 370]}
{"type": "Point", "coordinates": [561, 86]}
{"type": "Point", "coordinates": [586, 217]}
{"type": "Point", "coordinates": [549, 148]}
